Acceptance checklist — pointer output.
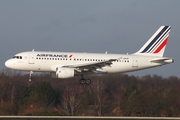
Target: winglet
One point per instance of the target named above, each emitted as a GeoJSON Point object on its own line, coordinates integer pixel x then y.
{"type": "Point", "coordinates": [156, 45]}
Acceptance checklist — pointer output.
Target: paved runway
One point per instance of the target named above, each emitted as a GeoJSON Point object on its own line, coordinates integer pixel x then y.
{"type": "Point", "coordinates": [83, 118]}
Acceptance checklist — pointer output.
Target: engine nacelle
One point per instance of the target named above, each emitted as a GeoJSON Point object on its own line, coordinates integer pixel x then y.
{"type": "Point", "coordinates": [63, 73]}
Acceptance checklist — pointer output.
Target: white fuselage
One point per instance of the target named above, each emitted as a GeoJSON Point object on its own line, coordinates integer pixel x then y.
{"type": "Point", "coordinates": [49, 61]}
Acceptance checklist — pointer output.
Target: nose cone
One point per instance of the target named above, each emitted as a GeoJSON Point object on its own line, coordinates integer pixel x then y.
{"type": "Point", "coordinates": [8, 63]}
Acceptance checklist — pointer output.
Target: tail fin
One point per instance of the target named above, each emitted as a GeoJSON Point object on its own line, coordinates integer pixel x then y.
{"type": "Point", "coordinates": [156, 45]}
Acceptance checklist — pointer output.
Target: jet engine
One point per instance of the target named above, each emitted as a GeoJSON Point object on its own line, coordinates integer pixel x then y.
{"type": "Point", "coordinates": [63, 73]}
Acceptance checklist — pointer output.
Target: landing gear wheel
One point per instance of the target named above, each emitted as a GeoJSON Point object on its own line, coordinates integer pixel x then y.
{"type": "Point", "coordinates": [29, 80]}
{"type": "Point", "coordinates": [85, 81]}
{"type": "Point", "coordinates": [82, 81]}
{"type": "Point", "coordinates": [88, 82]}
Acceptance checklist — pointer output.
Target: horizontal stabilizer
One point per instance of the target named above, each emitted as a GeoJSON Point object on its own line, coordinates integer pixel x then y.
{"type": "Point", "coordinates": [162, 60]}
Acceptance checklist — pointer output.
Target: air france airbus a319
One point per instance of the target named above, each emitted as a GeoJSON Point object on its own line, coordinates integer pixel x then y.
{"type": "Point", "coordinates": [66, 64]}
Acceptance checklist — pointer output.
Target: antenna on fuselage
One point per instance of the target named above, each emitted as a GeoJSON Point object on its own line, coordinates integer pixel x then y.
{"type": "Point", "coordinates": [33, 50]}
{"type": "Point", "coordinates": [106, 52]}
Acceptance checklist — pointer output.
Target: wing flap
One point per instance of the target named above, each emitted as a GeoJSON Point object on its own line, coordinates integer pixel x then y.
{"type": "Point", "coordinates": [91, 66]}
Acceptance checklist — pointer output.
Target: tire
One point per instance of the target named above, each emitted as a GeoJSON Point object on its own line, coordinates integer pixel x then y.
{"type": "Point", "coordinates": [88, 82]}
{"type": "Point", "coordinates": [82, 81]}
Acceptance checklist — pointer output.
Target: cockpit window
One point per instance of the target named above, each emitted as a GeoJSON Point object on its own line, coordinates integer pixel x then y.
{"type": "Point", "coordinates": [17, 57]}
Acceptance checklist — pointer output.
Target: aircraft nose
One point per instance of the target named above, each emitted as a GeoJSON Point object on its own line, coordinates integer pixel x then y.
{"type": "Point", "coordinates": [8, 63]}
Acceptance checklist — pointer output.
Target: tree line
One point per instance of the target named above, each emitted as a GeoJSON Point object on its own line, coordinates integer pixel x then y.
{"type": "Point", "coordinates": [108, 95]}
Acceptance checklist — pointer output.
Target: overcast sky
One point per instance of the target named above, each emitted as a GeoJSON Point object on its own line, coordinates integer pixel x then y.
{"type": "Point", "coordinates": [116, 26]}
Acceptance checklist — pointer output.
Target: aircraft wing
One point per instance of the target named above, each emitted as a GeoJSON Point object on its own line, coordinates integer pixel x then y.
{"type": "Point", "coordinates": [91, 67]}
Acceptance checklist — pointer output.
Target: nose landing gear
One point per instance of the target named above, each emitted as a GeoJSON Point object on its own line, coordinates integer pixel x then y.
{"type": "Point", "coordinates": [30, 76]}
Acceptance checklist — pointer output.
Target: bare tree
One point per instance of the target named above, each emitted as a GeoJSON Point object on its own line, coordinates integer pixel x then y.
{"type": "Point", "coordinates": [5, 88]}
{"type": "Point", "coordinates": [71, 99]}
{"type": "Point", "coordinates": [117, 98]}
{"type": "Point", "coordinates": [100, 96]}
{"type": "Point", "coordinates": [10, 73]}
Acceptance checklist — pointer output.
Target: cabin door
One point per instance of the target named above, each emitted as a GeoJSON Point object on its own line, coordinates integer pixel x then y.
{"type": "Point", "coordinates": [31, 58]}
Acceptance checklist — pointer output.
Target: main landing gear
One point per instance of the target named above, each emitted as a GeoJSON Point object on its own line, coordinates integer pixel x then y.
{"type": "Point", "coordinates": [85, 81]}
{"type": "Point", "coordinates": [30, 76]}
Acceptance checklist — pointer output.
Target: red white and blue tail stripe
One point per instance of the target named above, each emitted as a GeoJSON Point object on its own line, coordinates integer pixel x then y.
{"type": "Point", "coordinates": [155, 46]}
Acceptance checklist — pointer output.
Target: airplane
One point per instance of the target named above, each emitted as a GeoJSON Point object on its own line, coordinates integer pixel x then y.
{"type": "Point", "coordinates": [70, 64]}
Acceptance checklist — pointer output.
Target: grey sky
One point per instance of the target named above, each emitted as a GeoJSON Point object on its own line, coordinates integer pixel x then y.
{"type": "Point", "coordinates": [116, 26]}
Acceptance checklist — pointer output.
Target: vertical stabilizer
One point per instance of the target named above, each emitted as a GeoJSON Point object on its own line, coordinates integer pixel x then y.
{"type": "Point", "coordinates": [156, 45]}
